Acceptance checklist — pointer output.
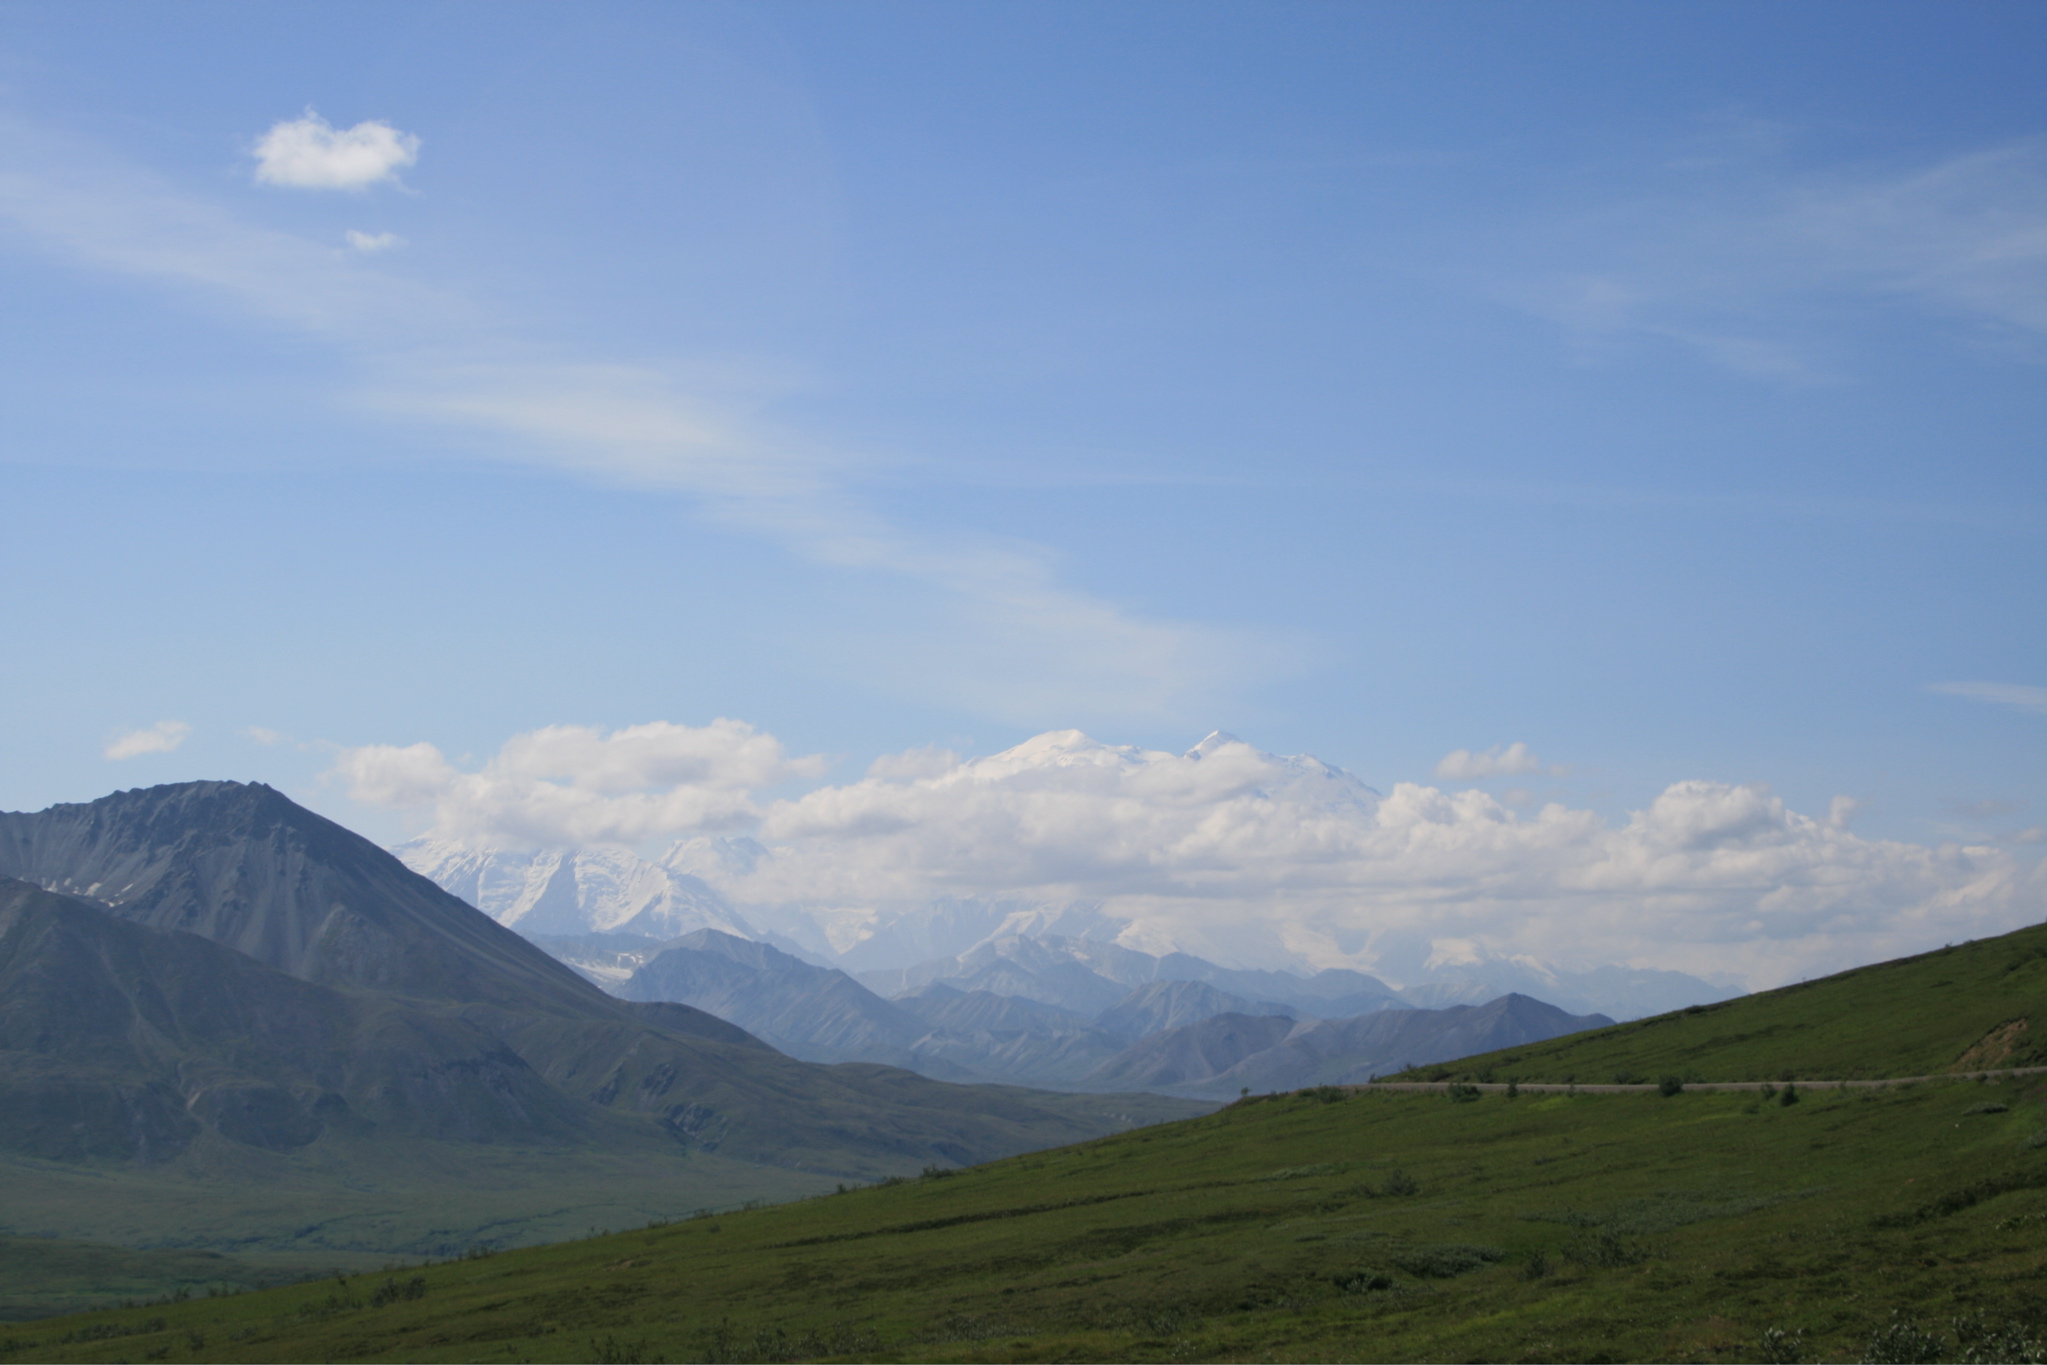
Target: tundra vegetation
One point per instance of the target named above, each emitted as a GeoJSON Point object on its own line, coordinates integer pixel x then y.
{"type": "Point", "coordinates": [1903, 1222]}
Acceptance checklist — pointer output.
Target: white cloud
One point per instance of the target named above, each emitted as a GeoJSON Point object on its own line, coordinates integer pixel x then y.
{"type": "Point", "coordinates": [160, 738]}
{"type": "Point", "coordinates": [263, 735]}
{"type": "Point", "coordinates": [310, 153]}
{"type": "Point", "coordinates": [567, 785]}
{"type": "Point", "coordinates": [1514, 760]}
{"type": "Point", "coordinates": [1237, 854]}
{"type": "Point", "coordinates": [367, 242]}
{"type": "Point", "coordinates": [2018, 696]}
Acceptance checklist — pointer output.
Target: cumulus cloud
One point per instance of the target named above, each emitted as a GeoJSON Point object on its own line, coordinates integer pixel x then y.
{"type": "Point", "coordinates": [160, 738]}
{"type": "Point", "coordinates": [311, 154]}
{"type": "Point", "coordinates": [1230, 852]}
{"type": "Point", "coordinates": [367, 242]}
{"type": "Point", "coordinates": [2018, 696]}
{"type": "Point", "coordinates": [1514, 760]}
{"type": "Point", "coordinates": [566, 785]}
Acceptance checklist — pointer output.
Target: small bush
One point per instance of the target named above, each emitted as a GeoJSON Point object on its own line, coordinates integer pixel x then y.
{"type": "Point", "coordinates": [1536, 1267]}
{"type": "Point", "coordinates": [1902, 1341]}
{"type": "Point", "coordinates": [1978, 1342]}
{"type": "Point", "coordinates": [1462, 1094]}
{"type": "Point", "coordinates": [610, 1350]}
{"type": "Point", "coordinates": [1606, 1251]}
{"type": "Point", "coordinates": [1789, 1096]}
{"type": "Point", "coordinates": [1399, 1184]}
{"type": "Point", "coordinates": [1629, 1078]}
{"type": "Point", "coordinates": [1986, 1109]}
{"type": "Point", "coordinates": [1362, 1281]}
{"type": "Point", "coordinates": [395, 1291]}
{"type": "Point", "coordinates": [1670, 1085]}
{"type": "Point", "coordinates": [1779, 1347]}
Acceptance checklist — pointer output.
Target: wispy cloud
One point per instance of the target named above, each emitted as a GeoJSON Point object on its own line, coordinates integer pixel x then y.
{"type": "Point", "coordinates": [373, 241]}
{"type": "Point", "coordinates": [311, 154]}
{"type": "Point", "coordinates": [160, 738]}
{"type": "Point", "coordinates": [1744, 262]}
{"type": "Point", "coordinates": [2018, 696]}
{"type": "Point", "coordinates": [1008, 638]}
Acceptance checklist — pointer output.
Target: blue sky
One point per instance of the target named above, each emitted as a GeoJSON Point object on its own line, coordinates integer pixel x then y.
{"type": "Point", "coordinates": [1660, 387]}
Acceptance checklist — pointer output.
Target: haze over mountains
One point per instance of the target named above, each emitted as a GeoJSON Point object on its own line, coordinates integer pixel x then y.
{"type": "Point", "coordinates": [208, 973]}
{"type": "Point", "coordinates": [726, 883]}
{"type": "Point", "coordinates": [1064, 1013]}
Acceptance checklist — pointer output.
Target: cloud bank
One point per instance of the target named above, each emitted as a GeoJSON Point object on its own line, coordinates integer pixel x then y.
{"type": "Point", "coordinates": [568, 785]}
{"type": "Point", "coordinates": [311, 154]}
{"type": "Point", "coordinates": [1237, 854]}
{"type": "Point", "coordinates": [160, 738]}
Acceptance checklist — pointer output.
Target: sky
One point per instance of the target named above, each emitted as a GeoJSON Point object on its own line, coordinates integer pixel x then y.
{"type": "Point", "coordinates": [1556, 406]}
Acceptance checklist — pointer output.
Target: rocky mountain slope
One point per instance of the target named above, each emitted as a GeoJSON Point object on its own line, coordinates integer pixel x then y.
{"type": "Point", "coordinates": [194, 913]}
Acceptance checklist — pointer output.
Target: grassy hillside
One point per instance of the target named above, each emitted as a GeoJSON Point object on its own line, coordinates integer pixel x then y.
{"type": "Point", "coordinates": [360, 1204]}
{"type": "Point", "coordinates": [1323, 1225]}
{"type": "Point", "coordinates": [41, 1276]}
{"type": "Point", "coordinates": [1974, 1005]}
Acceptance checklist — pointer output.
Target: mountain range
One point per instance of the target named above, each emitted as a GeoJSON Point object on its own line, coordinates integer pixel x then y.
{"type": "Point", "coordinates": [203, 976]}
{"type": "Point", "coordinates": [1063, 1013]}
{"type": "Point", "coordinates": [599, 889]}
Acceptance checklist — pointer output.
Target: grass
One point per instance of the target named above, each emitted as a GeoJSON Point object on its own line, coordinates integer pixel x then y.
{"type": "Point", "coordinates": [1325, 1225]}
{"type": "Point", "coordinates": [40, 1277]}
{"type": "Point", "coordinates": [1966, 1007]}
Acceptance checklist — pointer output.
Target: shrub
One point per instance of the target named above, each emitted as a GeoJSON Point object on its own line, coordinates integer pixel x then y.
{"type": "Point", "coordinates": [1629, 1078]}
{"type": "Point", "coordinates": [1445, 1262]}
{"type": "Point", "coordinates": [1779, 1347]}
{"type": "Point", "coordinates": [1978, 1342]}
{"type": "Point", "coordinates": [1400, 1183]}
{"type": "Point", "coordinates": [1986, 1109]}
{"type": "Point", "coordinates": [1361, 1281]}
{"type": "Point", "coordinates": [1462, 1094]}
{"type": "Point", "coordinates": [1607, 1251]}
{"type": "Point", "coordinates": [392, 1291]}
{"type": "Point", "coordinates": [1670, 1085]}
{"type": "Point", "coordinates": [1789, 1097]}
{"type": "Point", "coordinates": [1536, 1267]}
{"type": "Point", "coordinates": [1902, 1341]}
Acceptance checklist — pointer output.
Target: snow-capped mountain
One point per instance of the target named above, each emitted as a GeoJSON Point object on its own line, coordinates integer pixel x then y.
{"type": "Point", "coordinates": [1224, 856]}
{"type": "Point", "coordinates": [587, 890]}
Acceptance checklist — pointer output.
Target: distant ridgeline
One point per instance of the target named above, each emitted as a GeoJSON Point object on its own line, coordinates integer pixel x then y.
{"type": "Point", "coordinates": [208, 980]}
{"type": "Point", "coordinates": [1065, 1013]}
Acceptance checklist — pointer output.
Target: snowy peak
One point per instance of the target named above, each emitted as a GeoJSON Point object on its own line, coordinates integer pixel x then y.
{"type": "Point", "coordinates": [589, 890]}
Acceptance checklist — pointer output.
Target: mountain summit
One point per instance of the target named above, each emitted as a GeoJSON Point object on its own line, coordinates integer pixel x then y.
{"type": "Point", "coordinates": [403, 1000]}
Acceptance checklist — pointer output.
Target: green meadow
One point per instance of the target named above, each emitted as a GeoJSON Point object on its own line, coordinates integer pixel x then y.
{"type": "Point", "coordinates": [1903, 1222]}
{"type": "Point", "coordinates": [1324, 1225]}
